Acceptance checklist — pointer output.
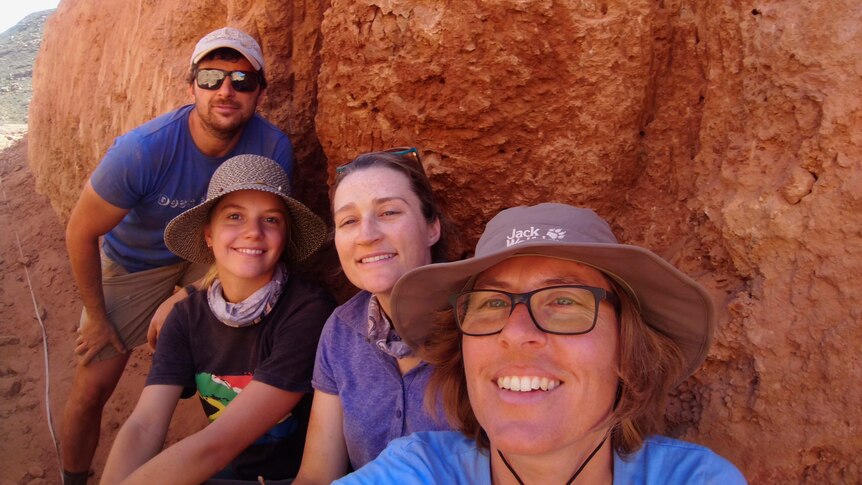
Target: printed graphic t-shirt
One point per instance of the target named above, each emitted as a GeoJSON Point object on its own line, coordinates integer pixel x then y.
{"type": "Point", "coordinates": [201, 354]}
{"type": "Point", "coordinates": [157, 172]}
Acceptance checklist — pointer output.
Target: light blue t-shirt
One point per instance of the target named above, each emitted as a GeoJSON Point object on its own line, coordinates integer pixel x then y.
{"type": "Point", "coordinates": [450, 457]}
{"type": "Point", "coordinates": [157, 172]}
{"type": "Point", "coordinates": [378, 403]}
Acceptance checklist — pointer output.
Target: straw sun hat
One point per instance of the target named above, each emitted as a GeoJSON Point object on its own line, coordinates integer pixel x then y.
{"type": "Point", "coordinates": [184, 234]}
{"type": "Point", "coordinates": [668, 300]}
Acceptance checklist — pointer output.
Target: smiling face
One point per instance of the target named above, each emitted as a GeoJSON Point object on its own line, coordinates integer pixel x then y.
{"type": "Point", "coordinates": [223, 112]}
{"type": "Point", "coordinates": [247, 232]}
{"type": "Point", "coordinates": [380, 232]}
{"type": "Point", "coordinates": [571, 379]}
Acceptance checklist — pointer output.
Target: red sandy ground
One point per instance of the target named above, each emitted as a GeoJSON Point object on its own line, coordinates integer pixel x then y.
{"type": "Point", "coordinates": [27, 450]}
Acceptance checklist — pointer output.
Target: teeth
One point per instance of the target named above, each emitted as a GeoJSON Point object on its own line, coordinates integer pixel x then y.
{"type": "Point", "coordinates": [527, 383]}
{"type": "Point", "coordinates": [250, 251]}
{"type": "Point", "coordinates": [515, 385]}
{"type": "Point", "coordinates": [377, 258]}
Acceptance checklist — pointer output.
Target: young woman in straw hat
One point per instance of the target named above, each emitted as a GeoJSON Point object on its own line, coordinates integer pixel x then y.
{"type": "Point", "coordinates": [554, 359]}
{"type": "Point", "coordinates": [368, 384]}
{"type": "Point", "coordinates": [245, 342]}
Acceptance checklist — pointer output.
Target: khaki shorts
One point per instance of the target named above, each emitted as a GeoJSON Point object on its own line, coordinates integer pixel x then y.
{"type": "Point", "coordinates": [132, 298]}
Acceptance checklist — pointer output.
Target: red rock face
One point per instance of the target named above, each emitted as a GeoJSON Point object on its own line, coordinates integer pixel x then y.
{"type": "Point", "coordinates": [511, 102]}
{"type": "Point", "coordinates": [102, 70]}
{"type": "Point", "coordinates": [723, 135]}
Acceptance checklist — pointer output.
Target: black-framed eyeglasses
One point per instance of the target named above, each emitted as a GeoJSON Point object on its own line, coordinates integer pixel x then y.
{"type": "Point", "coordinates": [242, 81]}
{"type": "Point", "coordinates": [561, 310]}
{"type": "Point", "coordinates": [409, 152]}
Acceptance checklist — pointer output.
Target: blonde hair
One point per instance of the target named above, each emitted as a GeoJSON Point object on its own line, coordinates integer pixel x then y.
{"type": "Point", "coordinates": [650, 363]}
{"type": "Point", "coordinates": [210, 277]}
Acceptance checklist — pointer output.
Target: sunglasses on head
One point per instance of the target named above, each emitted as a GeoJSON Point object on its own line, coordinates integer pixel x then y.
{"type": "Point", "coordinates": [409, 152]}
{"type": "Point", "coordinates": [242, 81]}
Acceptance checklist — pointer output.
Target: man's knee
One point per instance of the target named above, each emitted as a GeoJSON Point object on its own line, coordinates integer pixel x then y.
{"type": "Point", "coordinates": [89, 396]}
{"type": "Point", "coordinates": [94, 383]}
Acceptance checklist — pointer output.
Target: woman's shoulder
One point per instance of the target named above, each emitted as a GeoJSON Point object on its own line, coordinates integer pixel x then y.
{"type": "Point", "coordinates": [354, 312]}
{"type": "Point", "coordinates": [453, 442]}
{"type": "Point", "coordinates": [345, 327]}
{"type": "Point", "coordinates": [189, 310]}
{"type": "Point", "coordinates": [426, 457]}
{"type": "Point", "coordinates": [671, 461]}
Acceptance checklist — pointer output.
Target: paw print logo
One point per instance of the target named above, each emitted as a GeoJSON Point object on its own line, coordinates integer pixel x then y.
{"type": "Point", "coordinates": [555, 234]}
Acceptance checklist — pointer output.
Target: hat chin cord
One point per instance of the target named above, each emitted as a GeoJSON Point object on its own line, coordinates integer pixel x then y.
{"type": "Point", "coordinates": [584, 464]}
{"type": "Point", "coordinates": [574, 476]}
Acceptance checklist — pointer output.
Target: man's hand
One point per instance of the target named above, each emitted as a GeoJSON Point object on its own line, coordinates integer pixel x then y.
{"type": "Point", "coordinates": [161, 315]}
{"type": "Point", "coordinates": [91, 218]}
{"type": "Point", "coordinates": [93, 335]}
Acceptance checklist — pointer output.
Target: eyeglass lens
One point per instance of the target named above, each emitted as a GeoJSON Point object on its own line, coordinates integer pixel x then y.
{"type": "Point", "coordinates": [559, 309]}
{"type": "Point", "coordinates": [212, 79]}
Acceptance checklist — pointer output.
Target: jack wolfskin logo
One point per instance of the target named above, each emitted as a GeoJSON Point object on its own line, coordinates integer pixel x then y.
{"type": "Point", "coordinates": [519, 236]}
{"type": "Point", "coordinates": [555, 233]}
{"type": "Point", "coordinates": [523, 235]}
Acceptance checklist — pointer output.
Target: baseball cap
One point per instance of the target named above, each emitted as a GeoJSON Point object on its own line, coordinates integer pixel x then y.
{"type": "Point", "coordinates": [232, 38]}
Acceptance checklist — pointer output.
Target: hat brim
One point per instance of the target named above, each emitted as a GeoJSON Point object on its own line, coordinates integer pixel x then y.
{"type": "Point", "coordinates": [669, 301]}
{"type": "Point", "coordinates": [245, 53]}
{"type": "Point", "coordinates": [184, 234]}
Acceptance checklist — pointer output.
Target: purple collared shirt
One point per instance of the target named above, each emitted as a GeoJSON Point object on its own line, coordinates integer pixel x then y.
{"type": "Point", "coordinates": [379, 403]}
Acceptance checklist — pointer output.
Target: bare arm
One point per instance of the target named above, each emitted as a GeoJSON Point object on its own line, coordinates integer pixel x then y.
{"type": "Point", "coordinates": [143, 434]}
{"type": "Point", "coordinates": [198, 457]}
{"type": "Point", "coordinates": [92, 217]}
{"type": "Point", "coordinates": [325, 457]}
{"type": "Point", "coordinates": [164, 310]}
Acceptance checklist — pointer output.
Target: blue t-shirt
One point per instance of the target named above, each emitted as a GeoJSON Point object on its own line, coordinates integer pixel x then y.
{"type": "Point", "coordinates": [157, 172]}
{"type": "Point", "coordinates": [379, 404]}
{"type": "Point", "coordinates": [452, 458]}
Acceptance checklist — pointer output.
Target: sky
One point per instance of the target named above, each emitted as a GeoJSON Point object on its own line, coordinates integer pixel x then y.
{"type": "Point", "coordinates": [14, 11]}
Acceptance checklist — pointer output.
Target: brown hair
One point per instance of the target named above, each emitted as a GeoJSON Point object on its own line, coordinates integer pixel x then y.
{"type": "Point", "coordinates": [222, 54]}
{"type": "Point", "coordinates": [419, 183]}
{"type": "Point", "coordinates": [650, 363]}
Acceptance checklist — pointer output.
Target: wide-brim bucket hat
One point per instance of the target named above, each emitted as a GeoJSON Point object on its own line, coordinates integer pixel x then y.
{"type": "Point", "coordinates": [184, 235]}
{"type": "Point", "coordinates": [668, 300]}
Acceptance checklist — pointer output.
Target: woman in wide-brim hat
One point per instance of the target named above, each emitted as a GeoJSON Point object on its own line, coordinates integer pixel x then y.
{"type": "Point", "coordinates": [554, 359]}
{"type": "Point", "coordinates": [245, 342]}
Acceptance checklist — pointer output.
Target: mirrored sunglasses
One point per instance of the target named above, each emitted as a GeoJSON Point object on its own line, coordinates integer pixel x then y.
{"type": "Point", "coordinates": [242, 81]}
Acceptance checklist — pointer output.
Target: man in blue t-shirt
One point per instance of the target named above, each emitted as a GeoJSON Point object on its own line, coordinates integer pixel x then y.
{"type": "Point", "coordinates": [149, 176]}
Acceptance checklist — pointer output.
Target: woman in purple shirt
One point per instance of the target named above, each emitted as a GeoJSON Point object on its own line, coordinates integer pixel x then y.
{"type": "Point", "coordinates": [369, 385]}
